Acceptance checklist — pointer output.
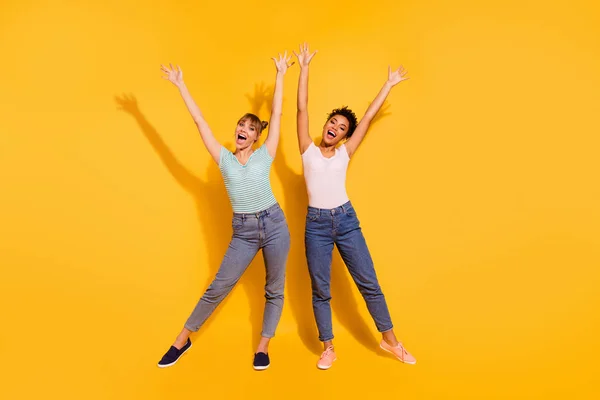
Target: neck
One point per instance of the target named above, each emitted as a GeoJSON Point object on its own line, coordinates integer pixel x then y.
{"type": "Point", "coordinates": [327, 148]}
{"type": "Point", "coordinates": [243, 154]}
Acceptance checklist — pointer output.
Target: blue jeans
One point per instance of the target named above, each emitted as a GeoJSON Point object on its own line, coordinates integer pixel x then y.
{"type": "Point", "coordinates": [266, 230]}
{"type": "Point", "coordinates": [341, 226]}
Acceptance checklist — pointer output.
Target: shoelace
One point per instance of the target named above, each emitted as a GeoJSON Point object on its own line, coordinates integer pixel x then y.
{"type": "Point", "coordinates": [327, 352]}
{"type": "Point", "coordinates": [403, 351]}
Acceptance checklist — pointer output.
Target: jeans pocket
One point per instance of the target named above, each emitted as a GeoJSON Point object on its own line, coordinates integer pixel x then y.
{"type": "Point", "coordinates": [237, 223]}
{"type": "Point", "coordinates": [312, 216]}
{"type": "Point", "coordinates": [277, 216]}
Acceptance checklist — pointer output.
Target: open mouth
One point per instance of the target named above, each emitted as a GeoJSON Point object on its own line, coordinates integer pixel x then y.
{"type": "Point", "coordinates": [331, 134]}
{"type": "Point", "coordinates": [241, 137]}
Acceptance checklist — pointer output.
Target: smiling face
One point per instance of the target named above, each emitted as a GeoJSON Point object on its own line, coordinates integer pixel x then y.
{"type": "Point", "coordinates": [247, 131]}
{"type": "Point", "coordinates": [335, 129]}
{"type": "Point", "coordinates": [340, 125]}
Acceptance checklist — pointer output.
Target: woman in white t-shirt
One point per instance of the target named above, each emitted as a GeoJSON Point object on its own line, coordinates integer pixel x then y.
{"type": "Point", "coordinates": [331, 218]}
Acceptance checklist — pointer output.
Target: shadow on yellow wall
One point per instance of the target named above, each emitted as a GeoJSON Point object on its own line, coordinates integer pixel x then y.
{"type": "Point", "coordinates": [343, 302]}
{"type": "Point", "coordinates": [213, 210]}
{"type": "Point", "coordinates": [214, 216]}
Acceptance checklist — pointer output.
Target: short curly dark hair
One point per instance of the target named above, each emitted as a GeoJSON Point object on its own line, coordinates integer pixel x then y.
{"type": "Point", "coordinates": [350, 116]}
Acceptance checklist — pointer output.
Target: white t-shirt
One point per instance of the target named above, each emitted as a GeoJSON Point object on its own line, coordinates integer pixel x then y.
{"type": "Point", "coordinates": [325, 177]}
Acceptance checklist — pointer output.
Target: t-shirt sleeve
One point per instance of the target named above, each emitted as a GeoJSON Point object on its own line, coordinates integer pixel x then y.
{"type": "Point", "coordinates": [222, 155]}
{"type": "Point", "coordinates": [263, 149]}
{"type": "Point", "coordinates": [345, 151]}
{"type": "Point", "coordinates": [309, 148]}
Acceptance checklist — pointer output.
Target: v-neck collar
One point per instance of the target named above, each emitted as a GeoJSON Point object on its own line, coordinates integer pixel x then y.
{"type": "Point", "coordinates": [247, 161]}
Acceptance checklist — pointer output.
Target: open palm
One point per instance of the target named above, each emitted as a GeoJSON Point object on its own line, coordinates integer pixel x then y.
{"type": "Point", "coordinates": [304, 56]}
{"type": "Point", "coordinates": [174, 75]}
{"type": "Point", "coordinates": [397, 76]}
{"type": "Point", "coordinates": [281, 63]}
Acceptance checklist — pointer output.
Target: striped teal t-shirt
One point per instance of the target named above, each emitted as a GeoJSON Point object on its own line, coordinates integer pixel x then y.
{"type": "Point", "coordinates": [248, 186]}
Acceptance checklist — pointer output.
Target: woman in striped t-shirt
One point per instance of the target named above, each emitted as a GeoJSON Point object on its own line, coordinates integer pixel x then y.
{"type": "Point", "coordinates": [258, 221]}
{"type": "Point", "coordinates": [331, 219]}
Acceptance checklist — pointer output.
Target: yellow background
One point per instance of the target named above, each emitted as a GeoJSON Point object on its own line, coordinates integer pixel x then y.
{"type": "Point", "coordinates": [477, 191]}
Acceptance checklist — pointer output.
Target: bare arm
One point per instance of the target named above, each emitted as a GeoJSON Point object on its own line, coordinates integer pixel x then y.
{"type": "Point", "coordinates": [211, 144]}
{"type": "Point", "coordinates": [304, 139]}
{"type": "Point", "coordinates": [276, 109]}
{"type": "Point", "coordinates": [357, 137]}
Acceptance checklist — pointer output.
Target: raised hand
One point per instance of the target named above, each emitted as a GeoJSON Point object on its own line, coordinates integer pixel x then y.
{"type": "Point", "coordinates": [174, 75]}
{"type": "Point", "coordinates": [282, 63]}
{"type": "Point", "coordinates": [397, 76]}
{"type": "Point", "coordinates": [304, 56]}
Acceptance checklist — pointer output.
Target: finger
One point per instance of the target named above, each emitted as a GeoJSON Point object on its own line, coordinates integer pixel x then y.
{"type": "Point", "coordinates": [294, 51]}
{"type": "Point", "coordinates": [179, 69]}
{"type": "Point", "coordinates": [171, 65]}
{"type": "Point", "coordinates": [285, 55]}
{"type": "Point", "coordinates": [163, 68]}
{"type": "Point", "coordinates": [389, 69]}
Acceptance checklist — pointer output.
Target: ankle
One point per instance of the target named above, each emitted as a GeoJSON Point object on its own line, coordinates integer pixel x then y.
{"type": "Point", "coordinates": [179, 343]}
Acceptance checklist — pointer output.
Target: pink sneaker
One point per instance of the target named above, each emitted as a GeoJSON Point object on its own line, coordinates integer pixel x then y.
{"type": "Point", "coordinates": [399, 351]}
{"type": "Point", "coordinates": [327, 358]}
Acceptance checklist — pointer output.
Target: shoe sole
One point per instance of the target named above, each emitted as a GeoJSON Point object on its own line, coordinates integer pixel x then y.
{"type": "Point", "coordinates": [260, 368]}
{"type": "Point", "coordinates": [326, 368]}
{"type": "Point", "coordinates": [175, 362]}
{"type": "Point", "coordinates": [401, 360]}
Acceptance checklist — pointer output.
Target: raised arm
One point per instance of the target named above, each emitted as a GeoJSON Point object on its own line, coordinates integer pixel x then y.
{"type": "Point", "coordinates": [394, 77]}
{"type": "Point", "coordinates": [175, 76]}
{"type": "Point", "coordinates": [304, 57]}
{"type": "Point", "coordinates": [272, 141]}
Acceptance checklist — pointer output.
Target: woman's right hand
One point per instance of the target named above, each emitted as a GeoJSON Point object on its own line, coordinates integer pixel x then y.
{"type": "Point", "coordinates": [304, 56]}
{"type": "Point", "coordinates": [174, 75]}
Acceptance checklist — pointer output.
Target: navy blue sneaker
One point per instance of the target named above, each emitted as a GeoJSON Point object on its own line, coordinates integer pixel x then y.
{"type": "Point", "coordinates": [172, 356]}
{"type": "Point", "coordinates": [261, 361]}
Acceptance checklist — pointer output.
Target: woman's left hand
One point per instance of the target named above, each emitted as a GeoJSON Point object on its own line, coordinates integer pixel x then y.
{"type": "Point", "coordinates": [282, 63]}
{"type": "Point", "coordinates": [397, 76]}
